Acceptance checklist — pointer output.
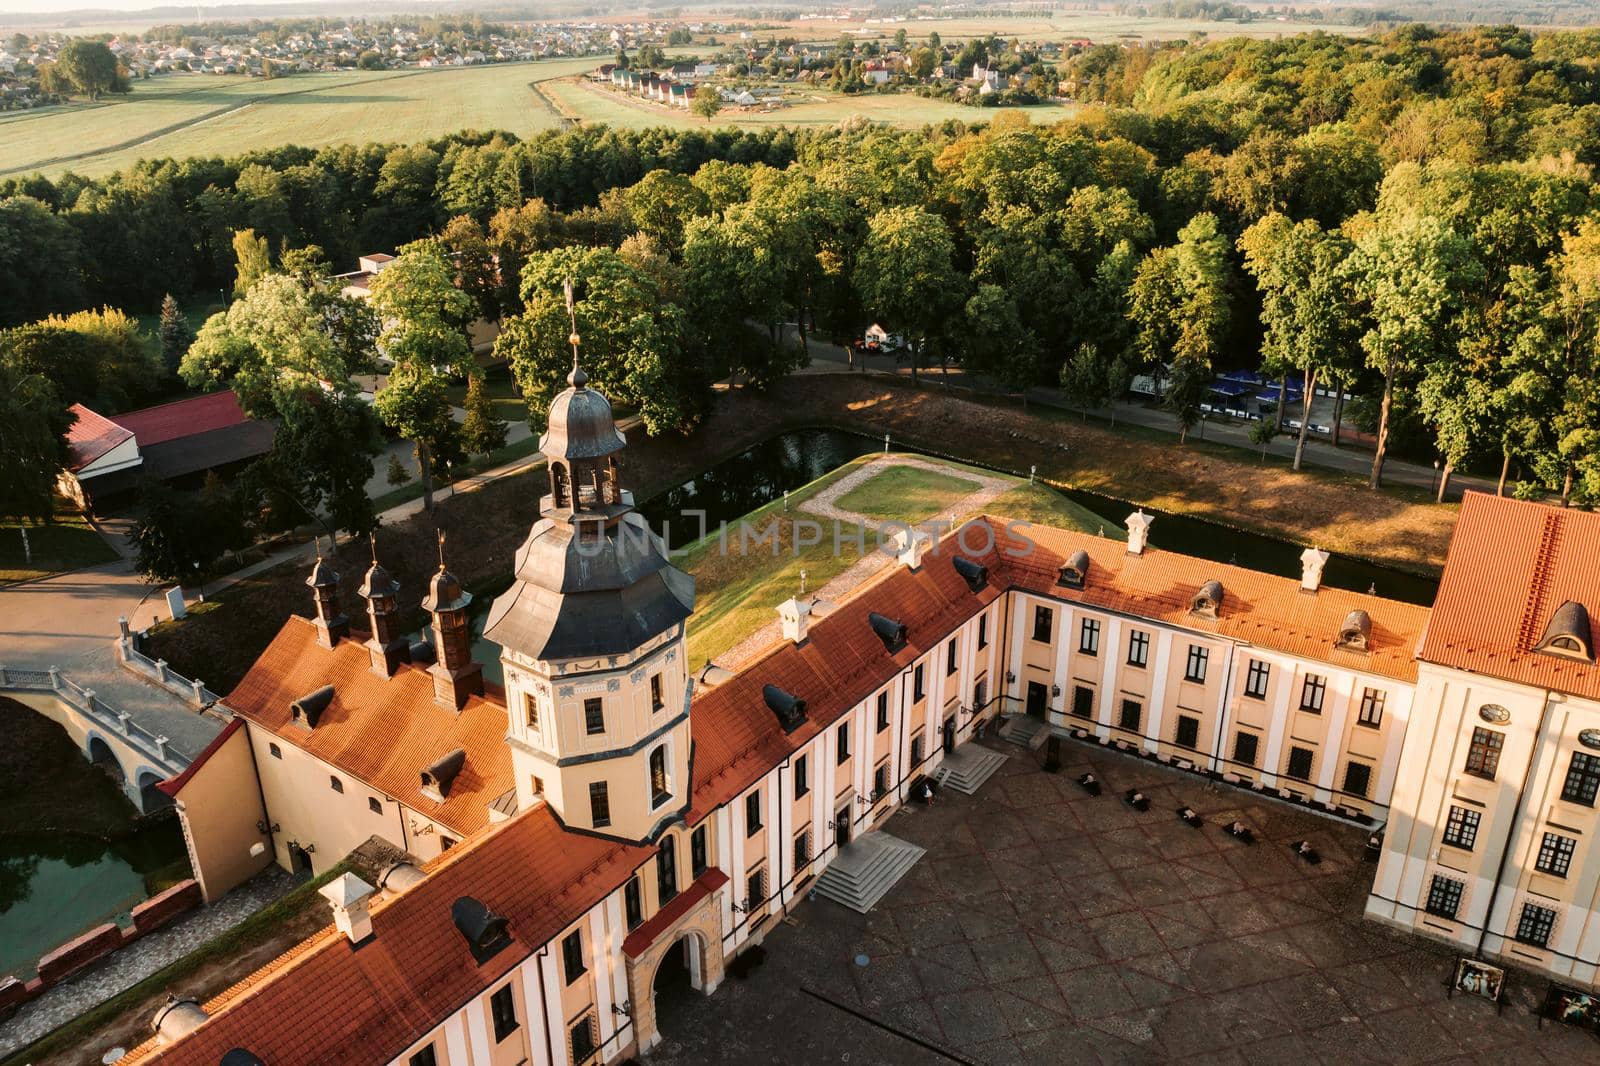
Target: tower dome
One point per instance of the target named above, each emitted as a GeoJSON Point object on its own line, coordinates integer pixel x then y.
{"type": "Point", "coordinates": [581, 425]}
{"type": "Point", "coordinates": [445, 592]}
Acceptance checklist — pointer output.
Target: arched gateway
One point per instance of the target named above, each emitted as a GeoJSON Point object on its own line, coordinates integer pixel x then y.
{"type": "Point", "coordinates": [690, 937]}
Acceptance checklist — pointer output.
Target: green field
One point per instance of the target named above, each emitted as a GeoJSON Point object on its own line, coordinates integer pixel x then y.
{"type": "Point", "coordinates": [1100, 27]}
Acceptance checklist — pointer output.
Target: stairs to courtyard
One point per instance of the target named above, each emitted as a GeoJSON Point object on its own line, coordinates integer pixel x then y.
{"type": "Point", "coordinates": [1024, 731]}
{"type": "Point", "coordinates": [867, 869]}
{"type": "Point", "coordinates": [967, 768]}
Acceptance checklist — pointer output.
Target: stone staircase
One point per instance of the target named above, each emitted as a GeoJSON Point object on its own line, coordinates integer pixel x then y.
{"type": "Point", "coordinates": [967, 768]}
{"type": "Point", "coordinates": [1024, 731]}
{"type": "Point", "coordinates": [866, 870]}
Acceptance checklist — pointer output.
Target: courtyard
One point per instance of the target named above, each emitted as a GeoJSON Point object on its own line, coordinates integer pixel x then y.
{"type": "Point", "coordinates": [1046, 925]}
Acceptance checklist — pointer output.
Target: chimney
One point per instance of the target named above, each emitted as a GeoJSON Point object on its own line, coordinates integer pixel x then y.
{"type": "Point", "coordinates": [1312, 560]}
{"type": "Point", "coordinates": [911, 546]}
{"type": "Point", "coordinates": [455, 675]}
{"type": "Point", "coordinates": [387, 647]}
{"type": "Point", "coordinates": [1138, 531]}
{"type": "Point", "coordinates": [332, 625]}
{"type": "Point", "coordinates": [349, 896]}
{"type": "Point", "coordinates": [794, 616]}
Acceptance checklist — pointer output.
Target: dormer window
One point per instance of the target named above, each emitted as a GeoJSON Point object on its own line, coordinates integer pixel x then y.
{"type": "Point", "coordinates": [1207, 600]}
{"type": "Point", "coordinates": [484, 931]}
{"type": "Point", "coordinates": [892, 633]}
{"type": "Point", "coordinates": [1356, 632]}
{"type": "Point", "coordinates": [307, 710]}
{"type": "Point", "coordinates": [1567, 633]}
{"type": "Point", "coordinates": [1075, 571]}
{"type": "Point", "coordinates": [437, 779]}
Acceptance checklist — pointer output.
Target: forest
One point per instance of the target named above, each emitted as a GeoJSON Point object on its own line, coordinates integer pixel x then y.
{"type": "Point", "coordinates": [1409, 216]}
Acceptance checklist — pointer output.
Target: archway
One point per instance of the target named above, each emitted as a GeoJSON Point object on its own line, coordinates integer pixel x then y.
{"type": "Point", "coordinates": [680, 975]}
{"type": "Point", "coordinates": [152, 798]}
{"type": "Point", "coordinates": [101, 755]}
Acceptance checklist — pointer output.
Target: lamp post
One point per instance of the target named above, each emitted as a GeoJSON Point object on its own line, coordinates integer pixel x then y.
{"type": "Point", "coordinates": [1434, 484]}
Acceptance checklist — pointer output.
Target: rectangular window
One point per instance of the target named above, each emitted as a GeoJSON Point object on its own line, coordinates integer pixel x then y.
{"type": "Point", "coordinates": [1357, 779]}
{"type": "Point", "coordinates": [666, 869]}
{"type": "Point", "coordinates": [880, 781]}
{"type": "Point", "coordinates": [1244, 748]}
{"type": "Point", "coordinates": [583, 1040]}
{"type": "Point", "coordinates": [1483, 755]}
{"type": "Point", "coordinates": [1444, 896]}
{"type": "Point", "coordinates": [752, 813]}
{"type": "Point", "coordinates": [983, 631]}
{"type": "Point", "coordinates": [275, 751]}
{"type": "Point", "coordinates": [594, 715]}
{"type": "Point", "coordinates": [656, 702]}
{"type": "Point", "coordinates": [1041, 624]}
{"type": "Point", "coordinates": [1583, 779]}
{"type": "Point", "coordinates": [1311, 693]}
{"type": "Point", "coordinates": [917, 689]}
{"type": "Point", "coordinates": [802, 849]}
{"type": "Point", "coordinates": [1536, 925]}
{"type": "Point", "coordinates": [503, 1010]}
{"type": "Point", "coordinates": [1371, 713]}
{"type": "Point", "coordinates": [1129, 719]}
{"type": "Point", "coordinates": [373, 805]}
{"type": "Point", "coordinates": [916, 750]}
{"type": "Point", "coordinates": [599, 805]}
{"type": "Point", "coordinates": [423, 1057]}
{"type": "Point", "coordinates": [1089, 637]}
{"type": "Point", "coordinates": [756, 890]}
{"type": "Point", "coordinates": [1082, 701]}
{"type": "Point", "coordinates": [843, 742]}
{"type": "Point", "coordinates": [802, 779]}
{"type": "Point", "coordinates": [1195, 668]}
{"type": "Point", "coordinates": [1255, 680]}
{"type": "Point", "coordinates": [1300, 760]}
{"type": "Point", "coordinates": [1555, 854]}
{"type": "Point", "coordinates": [633, 902]}
{"type": "Point", "coordinates": [335, 784]}
{"type": "Point", "coordinates": [697, 852]}
{"type": "Point", "coordinates": [1188, 734]}
{"type": "Point", "coordinates": [1138, 648]}
{"type": "Point", "coordinates": [883, 711]}
{"type": "Point", "coordinates": [950, 658]}
{"type": "Point", "coordinates": [531, 708]}
{"type": "Point", "coordinates": [1461, 828]}
{"type": "Point", "coordinates": [572, 956]}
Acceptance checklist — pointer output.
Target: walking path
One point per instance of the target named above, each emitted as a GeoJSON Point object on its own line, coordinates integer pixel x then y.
{"type": "Point", "coordinates": [824, 505]}
{"type": "Point", "coordinates": [132, 964]}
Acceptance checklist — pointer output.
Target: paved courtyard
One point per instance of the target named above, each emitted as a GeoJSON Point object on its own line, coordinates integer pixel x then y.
{"type": "Point", "coordinates": [1048, 926]}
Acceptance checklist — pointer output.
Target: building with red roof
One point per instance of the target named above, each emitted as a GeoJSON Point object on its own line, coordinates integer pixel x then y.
{"type": "Point", "coordinates": [110, 455]}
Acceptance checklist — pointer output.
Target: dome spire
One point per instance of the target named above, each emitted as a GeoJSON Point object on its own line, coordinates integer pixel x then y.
{"type": "Point", "coordinates": [577, 379]}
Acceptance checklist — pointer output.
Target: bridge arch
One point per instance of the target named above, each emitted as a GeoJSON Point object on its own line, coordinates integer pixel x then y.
{"type": "Point", "coordinates": [101, 754]}
{"type": "Point", "coordinates": [151, 798]}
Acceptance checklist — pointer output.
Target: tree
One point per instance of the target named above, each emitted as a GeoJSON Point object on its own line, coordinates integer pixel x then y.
{"type": "Point", "coordinates": [997, 343]}
{"type": "Point", "coordinates": [1411, 272]}
{"type": "Point", "coordinates": [97, 358]}
{"type": "Point", "coordinates": [662, 203]}
{"type": "Point", "coordinates": [174, 539]}
{"type": "Point", "coordinates": [425, 318]}
{"type": "Point", "coordinates": [477, 273]}
{"type": "Point", "coordinates": [1306, 307]}
{"type": "Point", "coordinates": [370, 60]}
{"type": "Point", "coordinates": [1178, 303]}
{"type": "Point", "coordinates": [707, 102]}
{"type": "Point", "coordinates": [252, 258]}
{"type": "Point", "coordinates": [481, 431]}
{"type": "Point", "coordinates": [89, 66]}
{"type": "Point", "coordinates": [33, 438]}
{"type": "Point", "coordinates": [906, 275]}
{"type": "Point", "coordinates": [174, 333]}
{"type": "Point", "coordinates": [40, 261]}
{"type": "Point", "coordinates": [397, 474]}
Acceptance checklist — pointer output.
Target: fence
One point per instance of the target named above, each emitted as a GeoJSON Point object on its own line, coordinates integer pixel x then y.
{"type": "Point", "coordinates": [194, 692]}
{"type": "Point", "coordinates": [157, 749]}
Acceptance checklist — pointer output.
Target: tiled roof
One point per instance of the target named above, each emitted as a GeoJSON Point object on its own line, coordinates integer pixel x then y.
{"type": "Point", "coordinates": [172, 786]}
{"type": "Point", "coordinates": [1512, 564]}
{"type": "Point", "coordinates": [383, 731]}
{"type": "Point", "coordinates": [90, 437]}
{"type": "Point", "coordinates": [328, 1001]}
{"type": "Point", "coordinates": [325, 1001]}
{"type": "Point", "coordinates": [184, 418]}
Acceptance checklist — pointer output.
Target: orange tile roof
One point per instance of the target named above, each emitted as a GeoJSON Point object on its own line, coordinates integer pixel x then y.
{"type": "Point", "coordinates": [327, 1002]}
{"type": "Point", "coordinates": [1512, 563]}
{"type": "Point", "coordinates": [383, 731]}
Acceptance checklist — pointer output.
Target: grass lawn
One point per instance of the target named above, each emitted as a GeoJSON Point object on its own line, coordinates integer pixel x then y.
{"type": "Point", "coordinates": [906, 493]}
{"type": "Point", "coordinates": [508, 406]}
{"type": "Point", "coordinates": [737, 589]}
{"type": "Point", "coordinates": [69, 543]}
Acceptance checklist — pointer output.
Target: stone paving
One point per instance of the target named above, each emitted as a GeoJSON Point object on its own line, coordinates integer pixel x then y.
{"type": "Point", "coordinates": [139, 960]}
{"type": "Point", "coordinates": [1049, 926]}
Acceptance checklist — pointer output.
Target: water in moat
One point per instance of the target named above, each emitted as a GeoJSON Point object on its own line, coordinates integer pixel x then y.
{"type": "Point", "coordinates": [764, 472]}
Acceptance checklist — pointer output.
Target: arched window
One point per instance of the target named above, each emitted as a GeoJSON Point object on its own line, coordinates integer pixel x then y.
{"type": "Point", "coordinates": [659, 792]}
{"type": "Point", "coordinates": [560, 487]}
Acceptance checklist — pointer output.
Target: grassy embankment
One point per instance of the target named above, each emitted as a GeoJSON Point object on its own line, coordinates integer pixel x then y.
{"type": "Point", "coordinates": [67, 543]}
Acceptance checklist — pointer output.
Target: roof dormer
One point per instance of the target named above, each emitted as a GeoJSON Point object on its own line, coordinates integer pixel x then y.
{"type": "Point", "coordinates": [1567, 633]}
{"type": "Point", "coordinates": [1207, 600]}
{"type": "Point", "coordinates": [1355, 634]}
{"type": "Point", "coordinates": [892, 633]}
{"type": "Point", "coordinates": [1075, 571]}
{"type": "Point", "coordinates": [307, 710]}
{"type": "Point", "coordinates": [437, 779]}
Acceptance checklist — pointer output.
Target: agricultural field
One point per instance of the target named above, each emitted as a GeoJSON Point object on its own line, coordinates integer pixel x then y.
{"type": "Point", "coordinates": [1099, 27]}
{"type": "Point", "coordinates": [810, 107]}
{"type": "Point", "coordinates": [188, 115]}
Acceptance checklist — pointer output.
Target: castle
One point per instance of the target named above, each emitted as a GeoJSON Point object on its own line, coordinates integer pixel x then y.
{"type": "Point", "coordinates": [607, 808]}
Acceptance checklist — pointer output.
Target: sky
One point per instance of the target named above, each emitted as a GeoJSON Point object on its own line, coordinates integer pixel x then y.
{"type": "Point", "coordinates": [212, 9]}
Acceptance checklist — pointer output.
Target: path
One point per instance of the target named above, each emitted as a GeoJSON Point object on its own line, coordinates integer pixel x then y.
{"type": "Point", "coordinates": [824, 505]}
{"type": "Point", "coordinates": [132, 964]}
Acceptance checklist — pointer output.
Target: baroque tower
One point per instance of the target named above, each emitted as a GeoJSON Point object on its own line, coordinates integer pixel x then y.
{"type": "Point", "coordinates": [591, 632]}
